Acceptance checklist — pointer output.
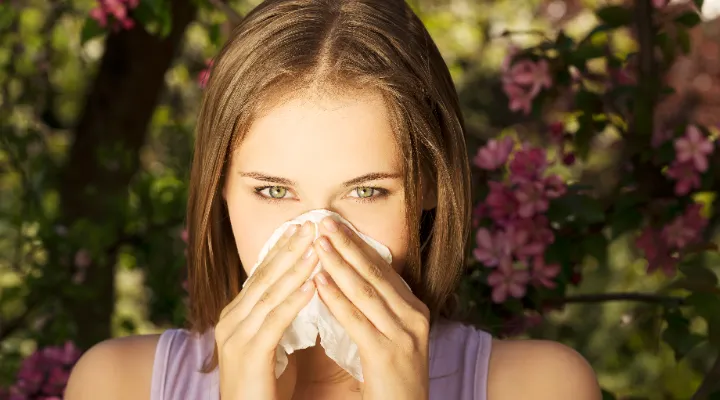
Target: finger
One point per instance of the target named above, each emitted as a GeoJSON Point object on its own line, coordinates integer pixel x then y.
{"type": "Point", "coordinates": [260, 271]}
{"type": "Point", "coordinates": [366, 260]}
{"type": "Point", "coordinates": [267, 334]}
{"type": "Point", "coordinates": [357, 324]}
{"type": "Point", "coordinates": [361, 293]}
{"type": "Point", "coordinates": [274, 270]}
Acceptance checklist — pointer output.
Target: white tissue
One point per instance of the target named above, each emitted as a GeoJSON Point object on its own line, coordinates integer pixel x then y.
{"type": "Point", "coordinates": [315, 319]}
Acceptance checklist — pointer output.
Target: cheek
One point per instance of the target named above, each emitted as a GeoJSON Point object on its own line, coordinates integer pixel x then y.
{"type": "Point", "coordinates": [390, 231]}
{"type": "Point", "coordinates": [251, 230]}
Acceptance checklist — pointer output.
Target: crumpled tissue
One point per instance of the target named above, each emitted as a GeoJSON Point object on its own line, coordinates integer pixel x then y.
{"type": "Point", "coordinates": [315, 318]}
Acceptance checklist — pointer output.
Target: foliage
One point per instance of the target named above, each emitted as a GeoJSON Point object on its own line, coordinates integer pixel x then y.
{"type": "Point", "coordinates": [579, 163]}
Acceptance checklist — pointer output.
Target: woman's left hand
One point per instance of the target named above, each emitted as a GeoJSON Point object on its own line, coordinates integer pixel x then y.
{"type": "Point", "coordinates": [381, 315]}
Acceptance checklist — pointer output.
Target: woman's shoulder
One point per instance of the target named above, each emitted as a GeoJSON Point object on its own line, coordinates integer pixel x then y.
{"type": "Point", "coordinates": [119, 368]}
{"type": "Point", "coordinates": [539, 369]}
{"type": "Point", "coordinates": [514, 369]}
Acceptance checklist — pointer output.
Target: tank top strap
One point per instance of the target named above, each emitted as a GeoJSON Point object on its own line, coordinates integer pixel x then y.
{"type": "Point", "coordinates": [459, 361]}
{"type": "Point", "coordinates": [179, 357]}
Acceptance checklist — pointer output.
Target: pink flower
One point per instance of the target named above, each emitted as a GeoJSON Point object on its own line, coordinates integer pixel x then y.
{"type": "Point", "coordinates": [494, 154]}
{"type": "Point", "coordinates": [531, 199]}
{"type": "Point", "coordinates": [520, 100]}
{"type": "Point", "coordinates": [685, 229]}
{"type": "Point", "coordinates": [543, 274]}
{"type": "Point", "coordinates": [523, 80]}
{"type": "Point", "coordinates": [99, 15]}
{"type": "Point", "coordinates": [695, 147]}
{"type": "Point", "coordinates": [685, 175]}
{"type": "Point", "coordinates": [506, 280]}
{"type": "Point", "coordinates": [491, 249]}
{"type": "Point", "coordinates": [554, 187]}
{"type": "Point", "coordinates": [530, 236]}
{"type": "Point", "coordinates": [657, 253]}
{"type": "Point", "coordinates": [184, 235]}
{"type": "Point", "coordinates": [660, 3]}
{"type": "Point", "coordinates": [204, 75]}
{"type": "Point", "coordinates": [501, 202]}
{"type": "Point", "coordinates": [528, 164]}
{"type": "Point", "coordinates": [117, 9]}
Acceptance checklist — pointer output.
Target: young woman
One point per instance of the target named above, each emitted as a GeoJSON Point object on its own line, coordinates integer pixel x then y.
{"type": "Point", "coordinates": [343, 105]}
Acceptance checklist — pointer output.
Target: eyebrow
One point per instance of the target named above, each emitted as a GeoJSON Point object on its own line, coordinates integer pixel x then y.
{"type": "Point", "coordinates": [373, 176]}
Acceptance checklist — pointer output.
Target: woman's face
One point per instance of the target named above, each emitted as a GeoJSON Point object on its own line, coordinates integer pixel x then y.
{"type": "Point", "coordinates": [301, 155]}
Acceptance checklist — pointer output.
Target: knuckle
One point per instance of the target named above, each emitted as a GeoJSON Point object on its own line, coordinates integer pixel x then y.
{"type": "Point", "coordinates": [259, 276]}
{"type": "Point", "coordinates": [264, 299]}
{"type": "Point", "coordinates": [405, 341]}
{"type": "Point", "coordinates": [375, 272]}
{"type": "Point", "coordinates": [356, 314]}
{"type": "Point", "coordinates": [346, 240]}
{"type": "Point", "coordinates": [368, 291]}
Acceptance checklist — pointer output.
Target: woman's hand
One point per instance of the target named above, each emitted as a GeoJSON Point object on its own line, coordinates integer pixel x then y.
{"type": "Point", "coordinates": [387, 322]}
{"type": "Point", "coordinates": [251, 326]}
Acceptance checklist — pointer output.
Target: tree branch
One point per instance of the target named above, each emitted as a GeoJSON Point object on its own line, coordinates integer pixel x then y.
{"type": "Point", "coordinates": [232, 15]}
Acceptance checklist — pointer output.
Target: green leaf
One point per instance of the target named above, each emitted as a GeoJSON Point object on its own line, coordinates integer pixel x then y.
{"type": "Point", "coordinates": [596, 246]}
{"type": "Point", "coordinates": [678, 335]}
{"type": "Point", "coordinates": [694, 268]}
{"type": "Point", "coordinates": [584, 52]}
{"type": "Point", "coordinates": [707, 305]}
{"type": "Point", "coordinates": [615, 16]}
{"type": "Point", "coordinates": [689, 19]}
{"type": "Point", "coordinates": [91, 29]}
{"type": "Point", "coordinates": [699, 4]}
{"type": "Point", "coordinates": [214, 34]}
{"type": "Point", "coordinates": [576, 207]}
{"type": "Point", "coordinates": [683, 38]}
{"type": "Point", "coordinates": [607, 395]}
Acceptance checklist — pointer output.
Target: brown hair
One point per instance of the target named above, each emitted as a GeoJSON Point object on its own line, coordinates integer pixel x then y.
{"type": "Point", "coordinates": [285, 47]}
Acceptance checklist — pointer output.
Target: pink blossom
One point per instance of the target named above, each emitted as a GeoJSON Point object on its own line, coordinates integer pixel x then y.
{"type": "Point", "coordinates": [531, 199]}
{"type": "Point", "coordinates": [184, 235]}
{"type": "Point", "coordinates": [528, 164]}
{"type": "Point", "coordinates": [657, 253]}
{"type": "Point", "coordinates": [543, 274]}
{"type": "Point", "coordinates": [44, 374]}
{"type": "Point", "coordinates": [660, 3]}
{"type": "Point", "coordinates": [117, 9]}
{"type": "Point", "coordinates": [494, 154]}
{"type": "Point", "coordinates": [520, 100]}
{"type": "Point", "coordinates": [554, 187]}
{"type": "Point", "coordinates": [530, 236]}
{"type": "Point", "coordinates": [695, 147]}
{"type": "Point", "coordinates": [491, 248]}
{"type": "Point", "coordinates": [686, 228]}
{"type": "Point", "coordinates": [204, 75]}
{"type": "Point", "coordinates": [685, 175]}
{"type": "Point", "coordinates": [501, 202]}
{"type": "Point", "coordinates": [506, 280]}
{"type": "Point", "coordinates": [523, 80]}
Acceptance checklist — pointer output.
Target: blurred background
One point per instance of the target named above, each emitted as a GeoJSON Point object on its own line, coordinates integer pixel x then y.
{"type": "Point", "coordinates": [98, 101]}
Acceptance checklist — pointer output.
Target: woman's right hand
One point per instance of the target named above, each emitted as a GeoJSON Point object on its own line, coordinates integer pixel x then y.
{"type": "Point", "coordinates": [251, 326]}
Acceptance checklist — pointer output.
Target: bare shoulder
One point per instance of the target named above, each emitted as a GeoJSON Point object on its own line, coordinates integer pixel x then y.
{"type": "Point", "coordinates": [539, 370]}
{"type": "Point", "coordinates": [115, 369]}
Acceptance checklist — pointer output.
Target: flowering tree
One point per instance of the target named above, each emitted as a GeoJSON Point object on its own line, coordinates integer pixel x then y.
{"type": "Point", "coordinates": [541, 215]}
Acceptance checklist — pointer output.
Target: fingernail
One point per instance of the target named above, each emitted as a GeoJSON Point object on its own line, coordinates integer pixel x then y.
{"type": "Point", "coordinates": [306, 286]}
{"type": "Point", "coordinates": [308, 253]}
{"type": "Point", "coordinates": [290, 230]}
{"type": "Point", "coordinates": [306, 228]}
{"type": "Point", "coordinates": [325, 243]}
{"type": "Point", "coordinates": [330, 224]}
{"type": "Point", "coordinates": [320, 277]}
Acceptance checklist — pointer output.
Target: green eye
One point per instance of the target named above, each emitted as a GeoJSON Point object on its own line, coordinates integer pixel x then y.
{"type": "Point", "coordinates": [277, 192]}
{"type": "Point", "coordinates": [365, 192]}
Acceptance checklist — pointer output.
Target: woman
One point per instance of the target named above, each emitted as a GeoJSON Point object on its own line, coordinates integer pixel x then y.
{"type": "Point", "coordinates": [343, 105]}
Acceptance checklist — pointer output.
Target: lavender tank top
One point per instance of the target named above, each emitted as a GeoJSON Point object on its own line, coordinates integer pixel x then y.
{"type": "Point", "coordinates": [459, 356]}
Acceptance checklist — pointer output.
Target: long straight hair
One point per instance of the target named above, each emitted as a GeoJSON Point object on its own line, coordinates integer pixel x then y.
{"type": "Point", "coordinates": [286, 47]}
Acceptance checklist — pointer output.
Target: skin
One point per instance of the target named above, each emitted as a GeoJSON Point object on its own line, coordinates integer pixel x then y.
{"type": "Point", "coordinates": [344, 138]}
